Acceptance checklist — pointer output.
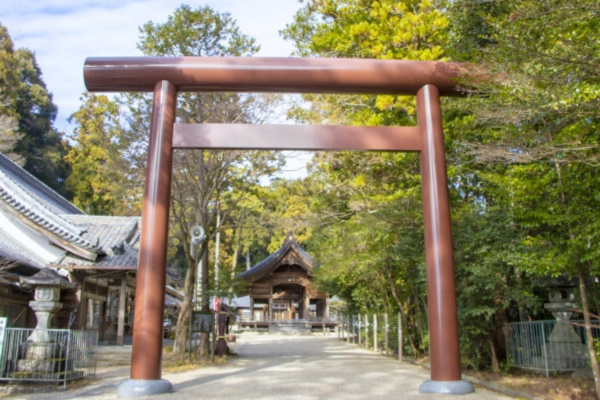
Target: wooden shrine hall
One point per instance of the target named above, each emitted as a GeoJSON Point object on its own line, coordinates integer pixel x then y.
{"type": "Point", "coordinates": [280, 292]}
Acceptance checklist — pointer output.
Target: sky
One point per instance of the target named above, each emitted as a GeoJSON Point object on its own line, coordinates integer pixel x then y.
{"type": "Point", "coordinates": [62, 33]}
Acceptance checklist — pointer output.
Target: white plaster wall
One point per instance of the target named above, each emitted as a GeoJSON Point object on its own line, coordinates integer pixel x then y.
{"type": "Point", "coordinates": [29, 238]}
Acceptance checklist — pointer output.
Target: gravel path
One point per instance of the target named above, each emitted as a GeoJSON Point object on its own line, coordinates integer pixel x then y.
{"type": "Point", "coordinates": [286, 367]}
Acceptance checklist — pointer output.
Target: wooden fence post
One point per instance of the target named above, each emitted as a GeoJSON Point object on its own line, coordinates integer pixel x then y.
{"type": "Point", "coordinates": [375, 333]}
{"type": "Point", "coordinates": [366, 331]}
{"type": "Point", "coordinates": [399, 336]}
{"type": "Point", "coordinates": [387, 331]}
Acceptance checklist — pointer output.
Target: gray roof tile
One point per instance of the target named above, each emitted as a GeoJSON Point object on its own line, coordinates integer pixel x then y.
{"type": "Point", "coordinates": [114, 239]}
{"type": "Point", "coordinates": [15, 251]}
{"type": "Point", "coordinates": [117, 236]}
{"type": "Point", "coordinates": [32, 199]}
{"type": "Point", "coordinates": [55, 202]}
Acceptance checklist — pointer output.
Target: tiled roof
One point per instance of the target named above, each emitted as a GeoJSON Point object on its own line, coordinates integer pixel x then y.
{"type": "Point", "coordinates": [55, 202]}
{"type": "Point", "coordinates": [32, 199]}
{"type": "Point", "coordinates": [171, 301]}
{"type": "Point", "coordinates": [110, 232]}
{"type": "Point", "coordinates": [114, 239]}
{"type": "Point", "coordinates": [15, 251]}
{"type": "Point", "coordinates": [176, 294]}
{"type": "Point", "coordinates": [290, 252]}
{"type": "Point", "coordinates": [118, 237]}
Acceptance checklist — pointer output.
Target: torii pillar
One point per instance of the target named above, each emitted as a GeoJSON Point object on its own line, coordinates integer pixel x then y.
{"type": "Point", "coordinates": [151, 277]}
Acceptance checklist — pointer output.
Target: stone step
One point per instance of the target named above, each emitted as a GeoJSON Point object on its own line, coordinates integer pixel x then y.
{"type": "Point", "coordinates": [292, 328]}
{"type": "Point", "coordinates": [107, 356]}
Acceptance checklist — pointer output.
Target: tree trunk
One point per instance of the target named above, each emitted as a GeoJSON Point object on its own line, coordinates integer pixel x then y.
{"type": "Point", "coordinates": [236, 252]}
{"type": "Point", "coordinates": [411, 328]}
{"type": "Point", "coordinates": [495, 364]}
{"type": "Point", "coordinates": [394, 289]}
{"type": "Point", "coordinates": [183, 320]}
{"type": "Point", "coordinates": [203, 347]}
{"type": "Point", "coordinates": [411, 340]}
{"type": "Point", "coordinates": [588, 331]}
{"type": "Point", "coordinates": [217, 245]}
{"type": "Point", "coordinates": [595, 289]}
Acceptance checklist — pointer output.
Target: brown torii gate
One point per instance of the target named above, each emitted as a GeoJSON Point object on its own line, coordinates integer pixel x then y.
{"type": "Point", "coordinates": [428, 80]}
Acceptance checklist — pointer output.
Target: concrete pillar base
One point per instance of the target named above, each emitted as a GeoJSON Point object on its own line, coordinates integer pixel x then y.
{"type": "Point", "coordinates": [135, 388]}
{"type": "Point", "coordinates": [446, 387]}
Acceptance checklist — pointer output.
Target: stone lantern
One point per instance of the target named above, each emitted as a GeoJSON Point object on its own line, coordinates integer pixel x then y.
{"type": "Point", "coordinates": [40, 346]}
{"type": "Point", "coordinates": [564, 349]}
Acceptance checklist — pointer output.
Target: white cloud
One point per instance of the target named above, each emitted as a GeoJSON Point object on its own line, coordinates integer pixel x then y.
{"type": "Point", "coordinates": [62, 33]}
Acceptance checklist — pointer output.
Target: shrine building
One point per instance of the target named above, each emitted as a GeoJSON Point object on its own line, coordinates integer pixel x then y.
{"type": "Point", "coordinates": [280, 293]}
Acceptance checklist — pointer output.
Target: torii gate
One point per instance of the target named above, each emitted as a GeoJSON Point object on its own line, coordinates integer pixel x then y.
{"type": "Point", "coordinates": [166, 76]}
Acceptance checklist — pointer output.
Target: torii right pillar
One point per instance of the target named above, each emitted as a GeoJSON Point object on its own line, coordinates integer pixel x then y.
{"type": "Point", "coordinates": [444, 348]}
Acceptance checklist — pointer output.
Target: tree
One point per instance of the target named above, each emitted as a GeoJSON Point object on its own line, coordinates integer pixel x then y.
{"type": "Point", "coordinates": [25, 99]}
{"type": "Point", "coordinates": [97, 179]}
{"type": "Point", "coordinates": [370, 233]}
{"type": "Point", "coordinates": [376, 257]}
{"type": "Point", "coordinates": [9, 136]}
{"type": "Point", "coordinates": [539, 118]}
{"type": "Point", "coordinates": [203, 179]}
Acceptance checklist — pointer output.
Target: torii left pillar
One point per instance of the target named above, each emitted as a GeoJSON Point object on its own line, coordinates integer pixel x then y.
{"type": "Point", "coordinates": [150, 289]}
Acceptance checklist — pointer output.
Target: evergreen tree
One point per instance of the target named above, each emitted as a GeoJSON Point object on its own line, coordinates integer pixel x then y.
{"type": "Point", "coordinates": [97, 179]}
{"type": "Point", "coordinates": [205, 182]}
{"type": "Point", "coordinates": [27, 114]}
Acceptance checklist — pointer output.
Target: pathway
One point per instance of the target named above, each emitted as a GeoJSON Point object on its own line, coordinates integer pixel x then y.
{"type": "Point", "coordinates": [274, 367]}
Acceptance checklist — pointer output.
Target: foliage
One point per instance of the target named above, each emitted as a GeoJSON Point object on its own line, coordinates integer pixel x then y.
{"type": "Point", "coordinates": [509, 150]}
{"type": "Point", "coordinates": [536, 115]}
{"type": "Point", "coordinates": [206, 182]}
{"type": "Point", "coordinates": [369, 236]}
{"type": "Point", "coordinates": [26, 117]}
{"type": "Point", "coordinates": [95, 157]}
{"type": "Point", "coordinates": [539, 117]}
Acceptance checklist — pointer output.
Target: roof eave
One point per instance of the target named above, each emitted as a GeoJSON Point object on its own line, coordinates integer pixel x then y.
{"type": "Point", "coordinates": [53, 238]}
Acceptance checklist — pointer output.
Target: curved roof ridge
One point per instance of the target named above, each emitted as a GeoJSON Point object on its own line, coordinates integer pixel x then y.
{"type": "Point", "coordinates": [274, 260]}
{"type": "Point", "coordinates": [30, 183]}
{"type": "Point", "coordinates": [16, 197]}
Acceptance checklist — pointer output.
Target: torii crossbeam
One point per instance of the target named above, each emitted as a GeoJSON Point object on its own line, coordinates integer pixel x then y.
{"type": "Point", "coordinates": [166, 76]}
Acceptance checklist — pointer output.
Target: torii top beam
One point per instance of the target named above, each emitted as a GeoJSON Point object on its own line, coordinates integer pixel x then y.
{"type": "Point", "coordinates": [282, 75]}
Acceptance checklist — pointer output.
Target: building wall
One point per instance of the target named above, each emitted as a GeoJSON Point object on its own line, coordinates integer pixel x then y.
{"type": "Point", "coordinates": [14, 304]}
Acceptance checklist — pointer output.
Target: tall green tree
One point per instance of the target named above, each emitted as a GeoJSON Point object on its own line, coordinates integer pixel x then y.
{"type": "Point", "coordinates": [27, 114]}
{"type": "Point", "coordinates": [539, 118]}
{"type": "Point", "coordinates": [388, 243]}
{"type": "Point", "coordinates": [204, 180]}
{"type": "Point", "coordinates": [370, 235]}
{"type": "Point", "coordinates": [97, 179]}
